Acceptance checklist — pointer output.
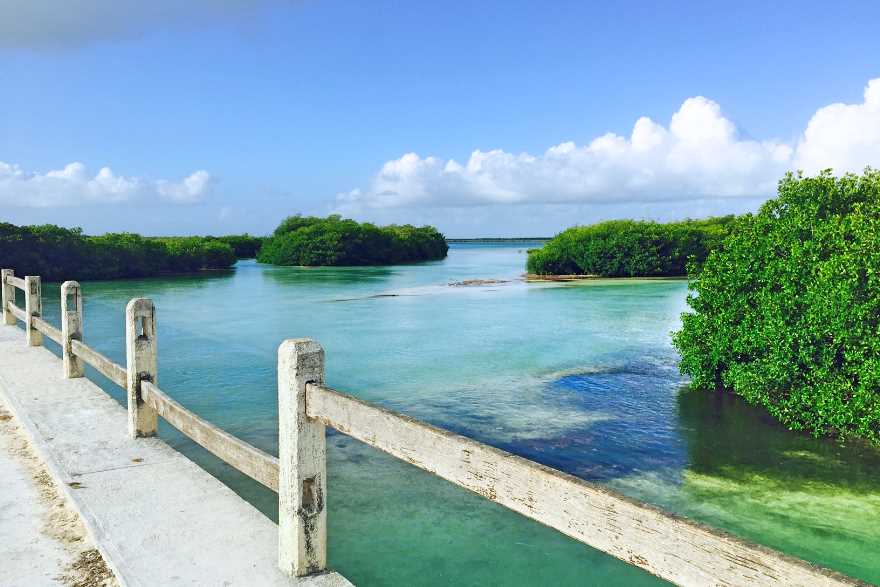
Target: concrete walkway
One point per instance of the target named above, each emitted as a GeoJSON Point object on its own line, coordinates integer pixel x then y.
{"type": "Point", "coordinates": [29, 555]}
{"type": "Point", "coordinates": [156, 517]}
{"type": "Point", "coordinates": [42, 540]}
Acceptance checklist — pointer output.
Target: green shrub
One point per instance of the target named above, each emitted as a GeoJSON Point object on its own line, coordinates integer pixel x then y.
{"type": "Point", "coordinates": [629, 248]}
{"type": "Point", "coordinates": [312, 241]}
{"type": "Point", "coordinates": [41, 250]}
{"type": "Point", "coordinates": [787, 314]}
{"type": "Point", "coordinates": [57, 253]}
{"type": "Point", "coordinates": [117, 255]}
{"type": "Point", "coordinates": [187, 254]}
{"type": "Point", "coordinates": [244, 246]}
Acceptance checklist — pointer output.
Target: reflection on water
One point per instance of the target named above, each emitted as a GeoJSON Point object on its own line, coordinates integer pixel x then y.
{"type": "Point", "coordinates": [714, 458]}
{"type": "Point", "coordinates": [579, 376]}
{"type": "Point", "coordinates": [327, 277]}
{"type": "Point", "coordinates": [813, 498]}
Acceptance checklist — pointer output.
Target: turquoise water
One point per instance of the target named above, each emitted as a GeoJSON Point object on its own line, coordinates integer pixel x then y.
{"type": "Point", "coordinates": [579, 376]}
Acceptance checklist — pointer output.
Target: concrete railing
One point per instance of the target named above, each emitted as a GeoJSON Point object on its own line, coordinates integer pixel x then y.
{"type": "Point", "coordinates": [670, 547]}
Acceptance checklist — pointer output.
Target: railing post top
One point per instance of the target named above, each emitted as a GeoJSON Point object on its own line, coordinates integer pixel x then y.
{"type": "Point", "coordinates": [32, 285]}
{"type": "Point", "coordinates": [140, 308]}
{"type": "Point", "coordinates": [69, 287]}
{"type": "Point", "coordinates": [303, 360]}
{"type": "Point", "coordinates": [299, 346]}
{"type": "Point", "coordinates": [5, 272]}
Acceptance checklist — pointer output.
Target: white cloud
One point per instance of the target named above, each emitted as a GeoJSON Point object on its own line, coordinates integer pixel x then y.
{"type": "Point", "coordinates": [73, 186]}
{"type": "Point", "coordinates": [192, 189]}
{"type": "Point", "coordinates": [843, 136]}
{"type": "Point", "coordinates": [61, 23]}
{"type": "Point", "coordinates": [699, 156]}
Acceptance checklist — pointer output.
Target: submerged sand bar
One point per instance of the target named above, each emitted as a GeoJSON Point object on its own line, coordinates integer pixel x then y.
{"type": "Point", "coordinates": [156, 517]}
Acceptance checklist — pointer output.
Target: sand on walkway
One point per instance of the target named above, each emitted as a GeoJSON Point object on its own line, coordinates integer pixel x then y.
{"type": "Point", "coordinates": [42, 539]}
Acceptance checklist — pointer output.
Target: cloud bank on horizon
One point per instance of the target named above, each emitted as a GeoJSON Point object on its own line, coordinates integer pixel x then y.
{"type": "Point", "coordinates": [699, 156]}
{"type": "Point", "coordinates": [74, 186]}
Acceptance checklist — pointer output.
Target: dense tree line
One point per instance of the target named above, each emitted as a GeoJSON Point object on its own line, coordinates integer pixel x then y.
{"type": "Point", "coordinates": [787, 313]}
{"type": "Point", "coordinates": [244, 245]}
{"type": "Point", "coordinates": [58, 254]}
{"type": "Point", "coordinates": [313, 241]}
{"type": "Point", "coordinates": [630, 248]}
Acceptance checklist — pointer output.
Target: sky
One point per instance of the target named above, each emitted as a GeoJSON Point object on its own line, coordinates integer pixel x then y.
{"type": "Point", "coordinates": [481, 118]}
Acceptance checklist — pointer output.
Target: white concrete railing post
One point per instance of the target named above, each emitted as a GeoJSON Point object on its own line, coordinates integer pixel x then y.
{"type": "Point", "coordinates": [302, 479]}
{"type": "Point", "coordinates": [33, 307]}
{"type": "Point", "coordinates": [8, 296]}
{"type": "Point", "coordinates": [71, 328]}
{"type": "Point", "coordinates": [140, 353]}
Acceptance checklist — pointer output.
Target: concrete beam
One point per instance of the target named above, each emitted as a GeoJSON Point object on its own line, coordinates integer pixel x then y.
{"type": "Point", "coordinates": [140, 352]}
{"type": "Point", "coordinates": [33, 307]}
{"type": "Point", "coordinates": [71, 327]}
{"type": "Point", "coordinates": [8, 296]}
{"type": "Point", "coordinates": [302, 479]}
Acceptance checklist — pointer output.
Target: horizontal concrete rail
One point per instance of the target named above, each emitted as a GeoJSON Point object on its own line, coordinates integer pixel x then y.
{"type": "Point", "coordinates": [16, 281]}
{"type": "Point", "coordinates": [248, 459]}
{"type": "Point", "coordinates": [47, 329]}
{"type": "Point", "coordinates": [17, 312]}
{"type": "Point", "coordinates": [669, 547]}
{"type": "Point", "coordinates": [115, 373]}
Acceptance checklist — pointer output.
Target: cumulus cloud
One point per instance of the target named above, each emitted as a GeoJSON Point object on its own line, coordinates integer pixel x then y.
{"type": "Point", "coordinates": [843, 136]}
{"type": "Point", "coordinates": [74, 186]}
{"type": "Point", "coordinates": [54, 23]}
{"type": "Point", "coordinates": [700, 155]}
{"type": "Point", "coordinates": [188, 191]}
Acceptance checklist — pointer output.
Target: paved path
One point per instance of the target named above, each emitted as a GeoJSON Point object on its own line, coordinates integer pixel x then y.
{"type": "Point", "coordinates": [156, 517]}
{"type": "Point", "coordinates": [31, 552]}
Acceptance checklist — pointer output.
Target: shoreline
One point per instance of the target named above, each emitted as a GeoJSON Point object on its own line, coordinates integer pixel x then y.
{"type": "Point", "coordinates": [577, 277]}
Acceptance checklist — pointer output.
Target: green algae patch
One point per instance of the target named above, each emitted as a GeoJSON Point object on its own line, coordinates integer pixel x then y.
{"type": "Point", "coordinates": [819, 522]}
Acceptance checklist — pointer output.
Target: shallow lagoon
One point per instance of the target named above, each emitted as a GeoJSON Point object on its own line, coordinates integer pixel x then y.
{"type": "Point", "coordinates": [579, 376]}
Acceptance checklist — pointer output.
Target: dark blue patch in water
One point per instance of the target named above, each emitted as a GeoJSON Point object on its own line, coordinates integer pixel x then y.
{"type": "Point", "coordinates": [637, 429]}
{"type": "Point", "coordinates": [640, 433]}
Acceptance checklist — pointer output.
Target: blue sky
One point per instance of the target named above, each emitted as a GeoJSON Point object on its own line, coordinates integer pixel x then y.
{"type": "Point", "coordinates": [224, 116]}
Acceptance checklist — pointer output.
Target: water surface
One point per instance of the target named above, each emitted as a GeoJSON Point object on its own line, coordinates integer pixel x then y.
{"type": "Point", "coordinates": [579, 376]}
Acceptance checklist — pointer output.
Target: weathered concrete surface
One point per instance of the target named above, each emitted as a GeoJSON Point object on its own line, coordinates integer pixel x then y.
{"type": "Point", "coordinates": [240, 455]}
{"type": "Point", "coordinates": [157, 518]}
{"type": "Point", "coordinates": [302, 460]}
{"type": "Point", "coordinates": [39, 537]}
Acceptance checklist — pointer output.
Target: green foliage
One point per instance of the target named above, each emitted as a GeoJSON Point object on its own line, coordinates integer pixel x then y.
{"type": "Point", "coordinates": [244, 245]}
{"type": "Point", "coordinates": [192, 253]}
{"type": "Point", "coordinates": [313, 241]}
{"type": "Point", "coordinates": [629, 248]}
{"type": "Point", "coordinates": [113, 256]}
{"type": "Point", "coordinates": [294, 223]}
{"type": "Point", "coordinates": [787, 314]}
{"type": "Point", "coordinates": [57, 253]}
